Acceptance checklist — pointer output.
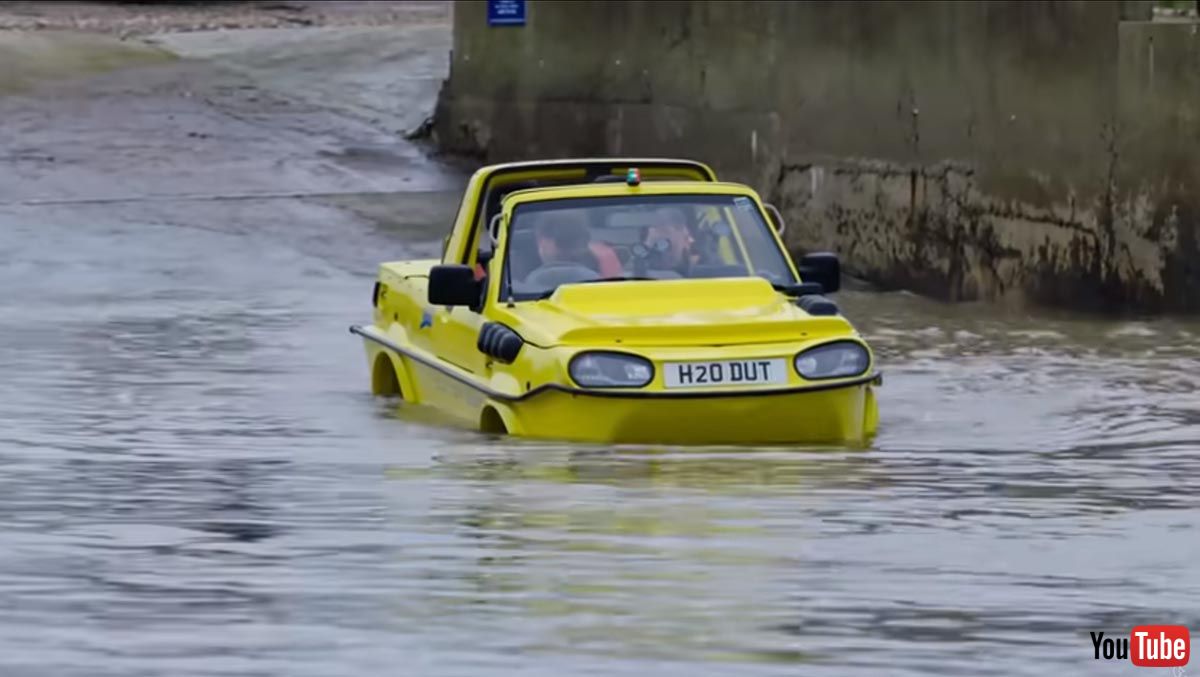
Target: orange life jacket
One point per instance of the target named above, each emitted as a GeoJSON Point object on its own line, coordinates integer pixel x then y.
{"type": "Point", "coordinates": [610, 263]}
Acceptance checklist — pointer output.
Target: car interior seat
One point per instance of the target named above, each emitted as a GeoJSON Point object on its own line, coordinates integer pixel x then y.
{"type": "Point", "coordinates": [523, 255]}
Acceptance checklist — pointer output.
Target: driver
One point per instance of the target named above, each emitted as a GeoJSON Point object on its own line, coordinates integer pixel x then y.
{"type": "Point", "coordinates": [671, 241]}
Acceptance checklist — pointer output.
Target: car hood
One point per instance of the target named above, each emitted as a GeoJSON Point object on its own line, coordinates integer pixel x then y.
{"type": "Point", "coordinates": [725, 311]}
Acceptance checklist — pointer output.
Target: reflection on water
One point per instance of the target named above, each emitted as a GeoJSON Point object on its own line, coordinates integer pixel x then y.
{"type": "Point", "coordinates": [712, 469]}
{"type": "Point", "coordinates": [198, 482]}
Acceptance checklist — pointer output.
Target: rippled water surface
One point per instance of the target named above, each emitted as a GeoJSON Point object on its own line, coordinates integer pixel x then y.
{"type": "Point", "coordinates": [196, 481]}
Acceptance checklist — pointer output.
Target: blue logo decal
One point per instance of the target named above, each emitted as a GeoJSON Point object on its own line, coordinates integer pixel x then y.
{"type": "Point", "coordinates": [506, 12]}
{"type": "Point", "coordinates": [426, 319]}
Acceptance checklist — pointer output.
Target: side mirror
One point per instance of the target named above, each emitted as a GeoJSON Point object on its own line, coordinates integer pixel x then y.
{"type": "Point", "coordinates": [453, 285]}
{"type": "Point", "coordinates": [822, 268]}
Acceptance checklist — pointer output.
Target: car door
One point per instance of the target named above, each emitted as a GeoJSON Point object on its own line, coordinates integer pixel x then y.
{"type": "Point", "coordinates": [450, 333]}
{"type": "Point", "coordinates": [453, 335]}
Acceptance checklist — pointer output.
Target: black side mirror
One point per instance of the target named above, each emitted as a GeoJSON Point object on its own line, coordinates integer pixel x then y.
{"type": "Point", "coordinates": [822, 268]}
{"type": "Point", "coordinates": [453, 285]}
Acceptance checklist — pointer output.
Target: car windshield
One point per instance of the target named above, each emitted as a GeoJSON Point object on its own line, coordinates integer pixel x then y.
{"type": "Point", "coordinates": [651, 237]}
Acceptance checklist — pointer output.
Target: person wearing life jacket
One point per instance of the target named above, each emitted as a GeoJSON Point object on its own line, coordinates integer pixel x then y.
{"type": "Point", "coordinates": [564, 236]}
{"type": "Point", "coordinates": [607, 260]}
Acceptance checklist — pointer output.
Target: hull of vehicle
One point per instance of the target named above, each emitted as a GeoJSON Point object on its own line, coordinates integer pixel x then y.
{"type": "Point", "coordinates": [845, 413]}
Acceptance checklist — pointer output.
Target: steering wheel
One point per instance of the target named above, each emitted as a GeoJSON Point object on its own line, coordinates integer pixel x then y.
{"type": "Point", "coordinates": [550, 275]}
{"type": "Point", "coordinates": [658, 246]}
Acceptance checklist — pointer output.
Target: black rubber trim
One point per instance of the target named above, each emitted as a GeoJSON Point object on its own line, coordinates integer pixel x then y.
{"type": "Point", "coordinates": [876, 378]}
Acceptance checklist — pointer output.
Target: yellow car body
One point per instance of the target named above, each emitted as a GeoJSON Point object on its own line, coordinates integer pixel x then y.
{"type": "Point", "coordinates": [513, 365]}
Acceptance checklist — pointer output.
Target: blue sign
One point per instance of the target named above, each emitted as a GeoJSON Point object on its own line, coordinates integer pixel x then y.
{"type": "Point", "coordinates": [506, 12]}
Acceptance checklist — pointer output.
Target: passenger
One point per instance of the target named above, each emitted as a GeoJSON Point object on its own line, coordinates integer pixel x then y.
{"type": "Point", "coordinates": [563, 237]}
{"type": "Point", "coordinates": [677, 254]}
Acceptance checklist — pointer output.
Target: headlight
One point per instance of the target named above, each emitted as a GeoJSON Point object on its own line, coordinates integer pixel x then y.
{"type": "Point", "coordinates": [598, 370]}
{"type": "Point", "coordinates": [832, 360]}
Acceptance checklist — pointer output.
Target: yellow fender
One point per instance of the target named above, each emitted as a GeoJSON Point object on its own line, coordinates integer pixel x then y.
{"type": "Point", "coordinates": [390, 377]}
{"type": "Point", "coordinates": [871, 422]}
{"type": "Point", "coordinates": [498, 417]}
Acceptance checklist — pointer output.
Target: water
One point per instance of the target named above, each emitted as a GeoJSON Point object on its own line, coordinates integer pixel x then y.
{"type": "Point", "coordinates": [196, 481]}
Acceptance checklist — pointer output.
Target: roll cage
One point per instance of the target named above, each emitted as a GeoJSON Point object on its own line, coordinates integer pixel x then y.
{"type": "Point", "coordinates": [492, 184]}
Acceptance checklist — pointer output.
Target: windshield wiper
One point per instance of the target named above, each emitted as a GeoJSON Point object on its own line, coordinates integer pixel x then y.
{"type": "Point", "coordinates": [801, 289]}
{"type": "Point", "coordinates": [619, 278]}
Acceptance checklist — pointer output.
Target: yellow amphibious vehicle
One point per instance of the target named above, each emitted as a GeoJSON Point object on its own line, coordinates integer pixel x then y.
{"type": "Point", "coordinates": [622, 301]}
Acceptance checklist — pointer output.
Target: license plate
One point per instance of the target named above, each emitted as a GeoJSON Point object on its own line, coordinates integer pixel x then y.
{"type": "Point", "coordinates": [725, 373]}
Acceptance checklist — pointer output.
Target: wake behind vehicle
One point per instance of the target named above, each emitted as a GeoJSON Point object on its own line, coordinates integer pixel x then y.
{"type": "Point", "coordinates": [622, 301]}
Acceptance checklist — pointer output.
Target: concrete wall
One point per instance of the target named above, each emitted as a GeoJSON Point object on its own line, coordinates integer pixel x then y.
{"type": "Point", "coordinates": [1157, 173]}
{"type": "Point", "coordinates": [1001, 150]}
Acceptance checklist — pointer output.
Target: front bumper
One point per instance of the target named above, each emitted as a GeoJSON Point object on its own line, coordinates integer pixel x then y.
{"type": "Point", "coordinates": [843, 414]}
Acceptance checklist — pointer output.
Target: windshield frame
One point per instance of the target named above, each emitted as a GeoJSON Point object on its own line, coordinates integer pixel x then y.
{"type": "Point", "coordinates": [504, 287]}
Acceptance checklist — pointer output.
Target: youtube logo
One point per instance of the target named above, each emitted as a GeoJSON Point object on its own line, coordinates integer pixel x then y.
{"type": "Point", "coordinates": [1148, 646]}
{"type": "Point", "coordinates": [1160, 646]}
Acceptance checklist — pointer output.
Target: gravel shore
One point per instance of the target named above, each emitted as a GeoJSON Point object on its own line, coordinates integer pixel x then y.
{"type": "Point", "coordinates": [133, 19]}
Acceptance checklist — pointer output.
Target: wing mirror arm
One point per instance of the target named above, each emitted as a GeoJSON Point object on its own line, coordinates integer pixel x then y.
{"type": "Point", "coordinates": [487, 251]}
{"type": "Point", "coordinates": [489, 242]}
{"type": "Point", "coordinates": [780, 225]}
